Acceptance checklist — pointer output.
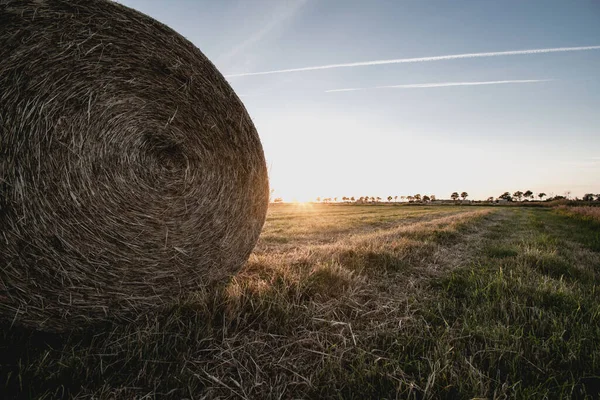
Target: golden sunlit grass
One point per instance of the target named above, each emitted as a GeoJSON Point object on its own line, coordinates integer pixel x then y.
{"type": "Point", "coordinates": [346, 301]}
{"type": "Point", "coordinates": [592, 213]}
{"type": "Point", "coordinates": [317, 223]}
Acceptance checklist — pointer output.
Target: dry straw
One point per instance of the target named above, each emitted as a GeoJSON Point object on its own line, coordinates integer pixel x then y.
{"type": "Point", "coordinates": [130, 172]}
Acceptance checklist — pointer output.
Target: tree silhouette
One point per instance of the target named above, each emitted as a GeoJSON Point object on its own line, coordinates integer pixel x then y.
{"type": "Point", "coordinates": [389, 198]}
{"type": "Point", "coordinates": [542, 195]}
{"type": "Point", "coordinates": [432, 197]}
{"type": "Point", "coordinates": [518, 194]}
{"type": "Point", "coordinates": [464, 195]}
{"type": "Point", "coordinates": [528, 194]}
{"type": "Point", "coordinates": [396, 198]}
{"type": "Point", "coordinates": [417, 197]}
{"type": "Point", "coordinates": [454, 196]}
{"type": "Point", "coordinates": [490, 199]}
{"type": "Point", "coordinates": [426, 198]}
{"type": "Point", "coordinates": [505, 196]}
{"type": "Point", "coordinates": [352, 198]}
{"type": "Point", "coordinates": [588, 197]}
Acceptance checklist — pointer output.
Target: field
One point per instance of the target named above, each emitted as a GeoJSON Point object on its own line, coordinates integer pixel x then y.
{"type": "Point", "coordinates": [348, 301]}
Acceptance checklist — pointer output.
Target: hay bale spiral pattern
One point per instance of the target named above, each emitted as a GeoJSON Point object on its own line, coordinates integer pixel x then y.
{"type": "Point", "coordinates": [130, 172]}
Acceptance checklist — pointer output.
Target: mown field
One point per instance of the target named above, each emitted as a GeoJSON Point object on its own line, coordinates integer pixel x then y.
{"type": "Point", "coordinates": [355, 302]}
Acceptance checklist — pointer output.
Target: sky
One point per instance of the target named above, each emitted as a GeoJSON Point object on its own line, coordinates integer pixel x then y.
{"type": "Point", "coordinates": [337, 118]}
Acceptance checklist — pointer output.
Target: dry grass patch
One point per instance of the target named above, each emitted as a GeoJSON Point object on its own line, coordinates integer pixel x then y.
{"type": "Point", "coordinates": [588, 212]}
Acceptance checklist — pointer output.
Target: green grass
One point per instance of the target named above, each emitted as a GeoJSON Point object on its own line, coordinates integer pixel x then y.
{"type": "Point", "coordinates": [529, 318]}
{"type": "Point", "coordinates": [356, 302]}
{"type": "Point", "coordinates": [496, 251]}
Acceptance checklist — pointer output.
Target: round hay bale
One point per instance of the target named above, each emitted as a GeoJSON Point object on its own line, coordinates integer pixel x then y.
{"type": "Point", "coordinates": [130, 172]}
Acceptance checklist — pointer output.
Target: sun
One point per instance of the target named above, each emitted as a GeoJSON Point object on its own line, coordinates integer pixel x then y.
{"type": "Point", "coordinates": [303, 205]}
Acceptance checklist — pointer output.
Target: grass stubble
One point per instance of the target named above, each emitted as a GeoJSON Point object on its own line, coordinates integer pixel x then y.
{"type": "Point", "coordinates": [356, 302]}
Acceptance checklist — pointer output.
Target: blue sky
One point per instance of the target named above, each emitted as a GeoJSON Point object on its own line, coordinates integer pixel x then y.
{"type": "Point", "coordinates": [485, 139]}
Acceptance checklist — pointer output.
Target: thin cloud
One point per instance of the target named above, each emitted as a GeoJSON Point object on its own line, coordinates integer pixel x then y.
{"type": "Point", "coordinates": [344, 90]}
{"type": "Point", "coordinates": [286, 12]}
{"type": "Point", "coordinates": [420, 59]}
{"type": "Point", "coordinates": [443, 84]}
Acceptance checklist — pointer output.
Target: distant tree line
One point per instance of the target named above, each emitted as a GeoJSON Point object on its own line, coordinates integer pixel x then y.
{"type": "Point", "coordinates": [417, 198]}
{"type": "Point", "coordinates": [530, 196]}
{"type": "Point", "coordinates": [517, 196]}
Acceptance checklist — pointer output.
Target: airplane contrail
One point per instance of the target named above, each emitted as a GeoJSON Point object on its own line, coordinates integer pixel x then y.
{"type": "Point", "coordinates": [420, 59]}
{"type": "Point", "coordinates": [442, 84]}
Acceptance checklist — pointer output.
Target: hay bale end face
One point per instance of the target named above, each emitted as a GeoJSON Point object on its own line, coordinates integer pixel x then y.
{"type": "Point", "coordinates": [130, 172]}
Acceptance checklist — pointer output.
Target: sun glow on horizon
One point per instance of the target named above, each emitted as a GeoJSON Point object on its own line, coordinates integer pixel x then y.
{"type": "Point", "coordinates": [323, 154]}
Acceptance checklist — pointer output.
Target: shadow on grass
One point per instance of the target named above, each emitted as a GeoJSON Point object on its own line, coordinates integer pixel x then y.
{"type": "Point", "coordinates": [20, 347]}
{"type": "Point", "coordinates": [143, 355]}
